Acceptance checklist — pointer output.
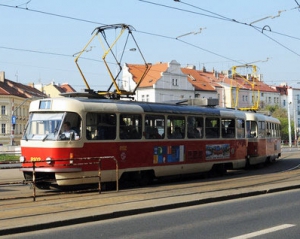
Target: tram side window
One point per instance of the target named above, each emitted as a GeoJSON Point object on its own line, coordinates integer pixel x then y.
{"type": "Point", "coordinates": [100, 126]}
{"type": "Point", "coordinates": [130, 126]}
{"type": "Point", "coordinates": [175, 127]}
{"type": "Point", "coordinates": [251, 129]}
{"type": "Point", "coordinates": [261, 129]}
{"type": "Point", "coordinates": [154, 127]}
{"type": "Point", "coordinates": [268, 129]}
{"type": "Point", "coordinates": [240, 128]}
{"type": "Point", "coordinates": [228, 128]}
{"type": "Point", "coordinates": [277, 130]}
{"type": "Point", "coordinates": [212, 127]}
{"type": "Point", "coordinates": [195, 127]}
{"type": "Point", "coordinates": [273, 129]}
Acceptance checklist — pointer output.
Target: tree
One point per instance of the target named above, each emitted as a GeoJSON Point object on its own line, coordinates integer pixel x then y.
{"type": "Point", "coordinates": [281, 114]}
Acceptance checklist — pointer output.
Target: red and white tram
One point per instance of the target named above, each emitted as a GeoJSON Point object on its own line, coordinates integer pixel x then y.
{"type": "Point", "coordinates": [264, 142]}
{"type": "Point", "coordinates": [147, 140]}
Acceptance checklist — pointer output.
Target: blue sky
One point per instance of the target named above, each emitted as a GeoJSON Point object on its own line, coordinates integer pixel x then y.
{"type": "Point", "coordinates": [37, 44]}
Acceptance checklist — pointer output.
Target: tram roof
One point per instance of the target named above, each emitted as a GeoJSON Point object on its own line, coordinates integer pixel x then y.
{"type": "Point", "coordinates": [170, 108]}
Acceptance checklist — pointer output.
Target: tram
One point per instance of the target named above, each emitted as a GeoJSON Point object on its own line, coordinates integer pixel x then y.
{"type": "Point", "coordinates": [264, 141]}
{"type": "Point", "coordinates": [147, 140]}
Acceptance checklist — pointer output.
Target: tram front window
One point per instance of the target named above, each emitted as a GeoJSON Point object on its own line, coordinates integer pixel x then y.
{"type": "Point", "coordinates": [47, 126]}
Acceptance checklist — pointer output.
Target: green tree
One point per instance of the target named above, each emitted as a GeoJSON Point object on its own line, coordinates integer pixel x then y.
{"type": "Point", "coordinates": [281, 114]}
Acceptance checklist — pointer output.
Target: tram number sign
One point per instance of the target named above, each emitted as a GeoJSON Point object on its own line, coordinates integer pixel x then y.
{"type": "Point", "coordinates": [35, 159]}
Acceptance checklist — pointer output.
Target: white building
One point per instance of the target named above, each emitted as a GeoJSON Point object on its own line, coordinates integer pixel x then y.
{"type": "Point", "coordinates": [164, 82]}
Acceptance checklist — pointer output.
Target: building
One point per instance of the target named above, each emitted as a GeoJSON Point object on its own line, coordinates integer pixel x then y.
{"type": "Point", "coordinates": [14, 101]}
{"type": "Point", "coordinates": [54, 89]}
{"type": "Point", "coordinates": [170, 81]}
{"type": "Point", "coordinates": [164, 82]}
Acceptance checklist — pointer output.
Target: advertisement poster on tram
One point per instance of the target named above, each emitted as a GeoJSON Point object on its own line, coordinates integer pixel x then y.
{"type": "Point", "coordinates": [217, 151]}
{"type": "Point", "coordinates": [168, 154]}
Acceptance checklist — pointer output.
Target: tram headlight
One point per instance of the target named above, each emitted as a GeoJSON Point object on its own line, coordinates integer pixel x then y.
{"type": "Point", "coordinates": [49, 160]}
{"type": "Point", "coordinates": [22, 159]}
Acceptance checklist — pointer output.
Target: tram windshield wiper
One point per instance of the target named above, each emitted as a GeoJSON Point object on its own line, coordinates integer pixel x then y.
{"type": "Point", "coordinates": [45, 137]}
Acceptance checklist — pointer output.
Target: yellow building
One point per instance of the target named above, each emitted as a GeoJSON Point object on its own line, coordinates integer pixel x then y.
{"type": "Point", "coordinates": [14, 105]}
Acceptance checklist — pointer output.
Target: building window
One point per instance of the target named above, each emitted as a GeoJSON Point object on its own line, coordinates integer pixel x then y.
{"type": "Point", "coordinates": [143, 97]}
{"type": "Point", "coordinates": [147, 98]}
{"type": "Point", "coordinates": [174, 82]}
{"type": "Point", "coordinates": [3, 110]}
{"type": "Point", "coordinates": [3, 128]}
{"type": "Point", "coordinates": [283, 103]}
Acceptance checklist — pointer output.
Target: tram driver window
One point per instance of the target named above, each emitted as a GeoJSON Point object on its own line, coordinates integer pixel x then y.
{"type": "Point", "coordinates": [71, 127]}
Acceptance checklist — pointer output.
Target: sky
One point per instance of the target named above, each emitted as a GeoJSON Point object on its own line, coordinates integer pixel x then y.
{"type": "Point", "coordinates": [39, 39]}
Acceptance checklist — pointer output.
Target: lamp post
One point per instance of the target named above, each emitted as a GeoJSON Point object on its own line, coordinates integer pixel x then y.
{"type": "Point", "coordinates": [293, 101]}
{"type": "Point", "coordinates": [289, 125]}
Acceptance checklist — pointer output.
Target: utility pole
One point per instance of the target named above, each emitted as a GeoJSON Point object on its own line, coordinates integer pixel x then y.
{"type": "Point", "coordinates": [289, 125]}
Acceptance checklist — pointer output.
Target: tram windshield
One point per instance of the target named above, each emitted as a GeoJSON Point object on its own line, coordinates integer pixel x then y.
{"type": "Point", "coordinates": [51, 126]}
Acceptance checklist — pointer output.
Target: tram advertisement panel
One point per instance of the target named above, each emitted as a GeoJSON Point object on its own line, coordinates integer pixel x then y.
{"type": "Point", "coordinates": [168, 154]}
{"type": "Point", "coordinates": [217, 151]}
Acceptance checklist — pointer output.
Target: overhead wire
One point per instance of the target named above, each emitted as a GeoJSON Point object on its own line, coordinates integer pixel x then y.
{"type": "Point", "coordinates": [51, 14]}
{"type": "Point", "coordinates": [218, 16]}
{"type": "Point", "coordinates": [87, 21]}
{"type": "Point", "coordinates": [214, 15]}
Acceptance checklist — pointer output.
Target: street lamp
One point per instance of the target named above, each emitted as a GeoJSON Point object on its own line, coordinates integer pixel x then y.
{"type": "Point", "coordinates": [289, 125]}
{"type": "Point", "coordinates": [293, 101]}
{"type": "Point", "coordinates": [189, 33]}
{"type": "Point", "coordinates": [119, 67]}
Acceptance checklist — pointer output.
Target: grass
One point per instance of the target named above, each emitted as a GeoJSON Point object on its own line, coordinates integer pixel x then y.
{"type": "Point", "coordinates": [9, 157]}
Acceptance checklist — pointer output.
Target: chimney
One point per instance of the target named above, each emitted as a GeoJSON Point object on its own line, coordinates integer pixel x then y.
{"type": "Point", "coordinates": [2, 76]}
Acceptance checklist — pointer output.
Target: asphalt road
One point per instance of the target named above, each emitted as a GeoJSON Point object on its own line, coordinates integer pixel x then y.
{"type": "Point", "coordinates": [273, 216]}
{"type": "Point", "coordinates": [20, 213]}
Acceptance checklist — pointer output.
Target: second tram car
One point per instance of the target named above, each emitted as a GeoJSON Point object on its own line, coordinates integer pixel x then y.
{"type": "Point", "coordinates": [264, 142]}
{"type": "Point", "coordinates": [65, 136]}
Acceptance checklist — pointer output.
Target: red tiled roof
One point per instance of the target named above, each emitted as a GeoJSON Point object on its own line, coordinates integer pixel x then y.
{"type": "Point", "coordinates": [201, 80]}
{"type": "Point", "coordinates": [14, 88]}
{"type": "Point", "coordinates": [153, 75]}
{"type": "Point", "coordinates": [198, 80]}
{"type": "Point", "coordinates": [67, 88]}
